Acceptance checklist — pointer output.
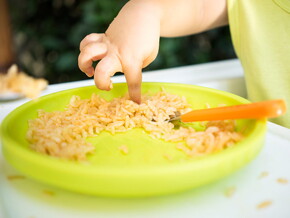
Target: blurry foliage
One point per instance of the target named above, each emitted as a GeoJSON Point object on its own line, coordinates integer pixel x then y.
{"type": "Point", "coordinates": [47, 34]}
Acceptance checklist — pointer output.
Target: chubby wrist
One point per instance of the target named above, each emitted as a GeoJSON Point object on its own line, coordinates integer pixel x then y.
{"type": "Point", "coordinates": [143, 9]}
{"type": "Point", "coordinates": [137, 14]}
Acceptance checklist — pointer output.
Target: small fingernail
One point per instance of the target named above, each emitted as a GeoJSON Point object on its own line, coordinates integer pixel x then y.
{"type": "Point", "coordinates": [136, 99]}
{"type": "Point", "coordinates": [90, 73]}
{"type": "Point", "coordinates": [111, 85]}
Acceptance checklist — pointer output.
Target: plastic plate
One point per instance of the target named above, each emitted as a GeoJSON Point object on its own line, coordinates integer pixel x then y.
{"type": "Point", "coordinates": [143, 171]}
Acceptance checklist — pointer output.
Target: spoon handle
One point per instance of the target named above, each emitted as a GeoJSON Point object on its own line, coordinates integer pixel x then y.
{"type": "Point", "coordinates": [263, 109]}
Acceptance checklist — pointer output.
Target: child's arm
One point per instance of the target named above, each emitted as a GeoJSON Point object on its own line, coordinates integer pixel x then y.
{"type": "Point", "coordinates": [132, 40]}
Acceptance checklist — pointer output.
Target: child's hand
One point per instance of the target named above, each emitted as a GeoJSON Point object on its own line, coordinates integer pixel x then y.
{"type": "Point", "coordinates": [130, 43]}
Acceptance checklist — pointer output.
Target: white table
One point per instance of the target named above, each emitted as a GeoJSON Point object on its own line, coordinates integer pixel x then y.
{"type": "Point", "coordinates": [24, 198]}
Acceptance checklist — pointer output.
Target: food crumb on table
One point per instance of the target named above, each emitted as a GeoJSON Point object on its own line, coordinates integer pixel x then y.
{"type": "Point", "coordinates": [264, 204]}
{"type": "Point", "coordinates": [282, 180]}
{"type": "Point", "coordinates": [263, 174]}
{"type": "Point", "coordinates": [229, 192]}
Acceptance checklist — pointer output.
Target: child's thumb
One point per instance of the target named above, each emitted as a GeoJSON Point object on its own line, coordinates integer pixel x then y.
{"type": "Point", "coordinates": [104, 70]}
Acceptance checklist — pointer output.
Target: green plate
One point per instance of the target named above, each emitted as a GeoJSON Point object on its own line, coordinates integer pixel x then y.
{"type": "Point", "coordinates": [143, 171]}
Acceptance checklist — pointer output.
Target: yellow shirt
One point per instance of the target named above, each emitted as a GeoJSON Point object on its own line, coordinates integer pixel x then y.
{"type": "Point", "coordinates": [260, 32]}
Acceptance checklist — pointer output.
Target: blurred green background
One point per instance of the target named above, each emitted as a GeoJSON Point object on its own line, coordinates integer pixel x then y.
{"type": "Point", "coordinates": [47, 34]}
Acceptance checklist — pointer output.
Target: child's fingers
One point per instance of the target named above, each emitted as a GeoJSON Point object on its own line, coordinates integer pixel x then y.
{"type": "Point", "coordinates": [93, 37]}
{"type": "Point", "coordinates": [105, 69]}
{"type": "Point", "coordinates": [91, 52]}
{"type": "Point", "coordinates": [133, 76]}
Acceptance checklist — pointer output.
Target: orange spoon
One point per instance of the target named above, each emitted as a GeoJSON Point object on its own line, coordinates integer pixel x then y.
{"type": "Point", "coordinates": [269, 109]}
